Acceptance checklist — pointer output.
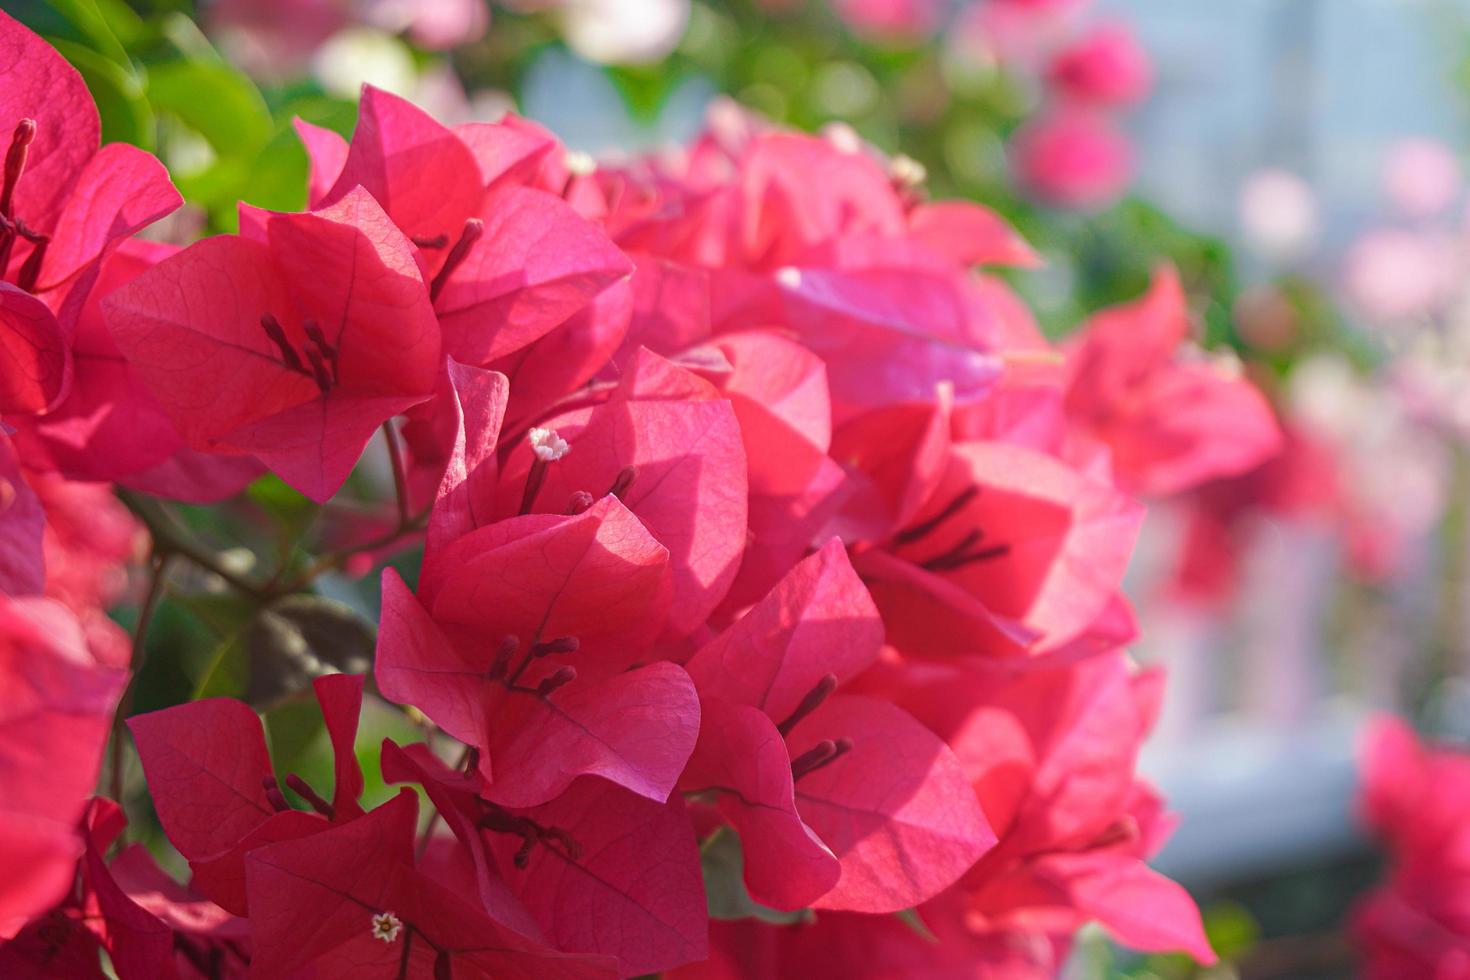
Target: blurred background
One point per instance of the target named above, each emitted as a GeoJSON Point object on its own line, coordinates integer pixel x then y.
{"type": "Point", "coordinates": [1299, 161]}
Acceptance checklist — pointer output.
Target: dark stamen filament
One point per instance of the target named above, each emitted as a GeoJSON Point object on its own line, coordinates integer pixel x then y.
{"type": "Point", "coordinates": [274, 795]}
{"type": "Point", "coordinates": [808, 704]}
{"type": "Point", "coordinates": [562, 677]}
{"type": "Point", "coordinates": [623, 481]}
{"type": "Point", "coordinates": [534, 478]}
{"type": "Point", "coordinates": [917, 531]}
{"type": "Point", "coordinates": [319, 372]}
{"type": "Point", "coordinates": [424, 241]}
{"type": "Point", "coordinates": [15, 162]}
{"type": "Point", "coordinates": [473, 229]}
{"type": "Point", "coordinates": [823, 754]}
{"type": "Point", "coordinates": [329, 353]}
{"type": "Point", "coordinates": [501, 663]}
{"type": "Point", "coordinates": [961, 555]}
{"type": "Point", "coordinates": [579, 502]}
{"type": "Point", "coordinates": [403, 957]}
{"type": "Point", "coordinates": [302, 789]}
{"type": "Point", "coordinates": [277, 335]}
{"type": "Point", "coordinates": [566, 644]}
{"type": "Point", "coordinates": [30, 271]}
{"type": "Point", "coordinates": [501, 821]}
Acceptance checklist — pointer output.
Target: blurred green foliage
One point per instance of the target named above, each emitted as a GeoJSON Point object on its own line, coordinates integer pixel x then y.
{"type": "Point", "coordinates": [160, 84]}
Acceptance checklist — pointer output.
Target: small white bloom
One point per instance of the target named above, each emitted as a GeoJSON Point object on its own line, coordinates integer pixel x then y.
{"type": "Point", "coordinates": [387, 926]}
{"type": "Point", "coordinates": [789, 276]}
{"type": "Point", "coordinates": [547, 445]}
{"type": "Point", "coordinates": [580, 164]}
{"type": "Point", "coordinates": [906, 171]}
{"type": "Point", "coordinates": [843, 137]}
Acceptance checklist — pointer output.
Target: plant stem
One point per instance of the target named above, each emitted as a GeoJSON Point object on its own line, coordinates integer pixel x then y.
{"type": "Point", "coordinates": [170, 539]}
{"type": "Point", "coordinates": [400, 472]}
{"type": "Point", "coordinates": [158, 577]}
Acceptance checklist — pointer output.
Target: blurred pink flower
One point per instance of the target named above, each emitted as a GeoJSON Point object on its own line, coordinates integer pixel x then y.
{"type": "Point", "coordinates": [1105, 66]}
{"type": "Point", "coordinates": [1414, 797]}
{"type": "Point", "coordinates": [1072, 159]}
{"type": "Point", "coordinates": [437, 25]}
{"type": "Point", "coordinates": [1278, 213]}
{"type": "Point", "coordinates": [1421, 177]}
{"type": "Point", "coordinates": [898, 20]}
{"type": "Point", "coordinates": [1393, 274]}
{"type": "Point", "coordinates": [274, 38]}
{"type": "Point", "coordinates": [1014, 32]}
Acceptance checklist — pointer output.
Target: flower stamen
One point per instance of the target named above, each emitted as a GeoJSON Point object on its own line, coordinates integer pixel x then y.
{"type": "Point", "coordinates": [386, 927]}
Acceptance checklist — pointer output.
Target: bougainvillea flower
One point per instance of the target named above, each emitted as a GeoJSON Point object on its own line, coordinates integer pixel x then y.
{"type": "Point", "coordinates": [89, 542]}
{"type": "Point", "coordinates": [329, 333]}
{"type": "Point", "coordinates": [349, 901]}
{"type": "Point", "coordinates": [569, 355]}
{"type": "Point", "coordinates": [63, 205]}
{"type": "Point", "coordinates": [895, 457]}
{"type": "Point", "coordinates": [1106, 66]}
{"type": "Point", "coordinates": [741, 760]}
{"type": "Point", "coordinates": [467, 418]}
{"type": "Point", "coordinates": [671, 307]}
{"type": "Point", "coordinates": [503, 654]}
{"type": "Point", "coordinates": [575, 872]}
{"type": "Point", "coordinates": [634, 889]}
{"type": "Point", "coordinates": [938, 944]}
{"type": "Point", "coordinates": [505, 262]}
{"type": "Point", "coordinates": [1170, 422]}
{"type": "Point", "coordinates": [669, 447]}
{"type": "Point", "coordinates": [520, 636]}
{"type": "Point", "coordinates": [1014, 550]}
{"type": "Point", "coordinates": [785, 213]}
{"type": "Point", "coordinates": [1414, 797]}
{"type": "Point", "coordinates": [109, 427]}
{"type": "Point", "coordinates": [971, 234]}
{"type": "Point", "coordinates": [1300, 483]}
{"type": "Point", "coordinates": [60, 679]}
{"type": "Point", "coordinates": [1072, 159]}
{"type": "Point", "coordinates": [1051, 753]}
{"type": "Point", "coordinates": [210, 776]}
{"type": "Point", "coordinates": [879, 792]}
{"type": "Point", "coordinates": [889, 332]}
{"type": "Point", "coordinates": [149, 925]}
{"type": "Point", "coordinates": [778, 390]}
{"type": "Point", "coordinates": [22, 524]}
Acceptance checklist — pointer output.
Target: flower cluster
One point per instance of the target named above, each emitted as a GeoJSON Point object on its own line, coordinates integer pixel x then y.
{"type": "Point", "coordinates": [1414, 797]}
{"type": "Point", "coordinates": [1071, 153]}
{"type": "Point", "coordinates": [771, 569]}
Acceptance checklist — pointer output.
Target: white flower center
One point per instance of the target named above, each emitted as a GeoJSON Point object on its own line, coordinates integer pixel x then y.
{"type": "Point", "coordinates": [580, 164]}
{"type": "Point", "coordinates": [789, 276]}
{"type": "Point", "coordinates": [547, 445]}
{"type": "Point", "coordinates": [906, 171]}
{"type": "Point", "coordinates": [387, 926]}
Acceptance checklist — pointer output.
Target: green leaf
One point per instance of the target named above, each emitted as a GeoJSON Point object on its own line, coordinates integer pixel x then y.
{"type": "Point", "coordinates": [277, 181]}
{"type": "Point", "coordinates": [723, 863]}
{"type": "Point", "coordinates": [126, 116]}
{"type": "Point", "coordinates": [293, 730]}
{"type": "Point", "coordinates": [101, 24]}
{"type": "Point", "coordinates": [224, 613]}
{"type": "Point", "coordinates": [228, 673]}
{"type": "Point", "coordinates": [217, 102]}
